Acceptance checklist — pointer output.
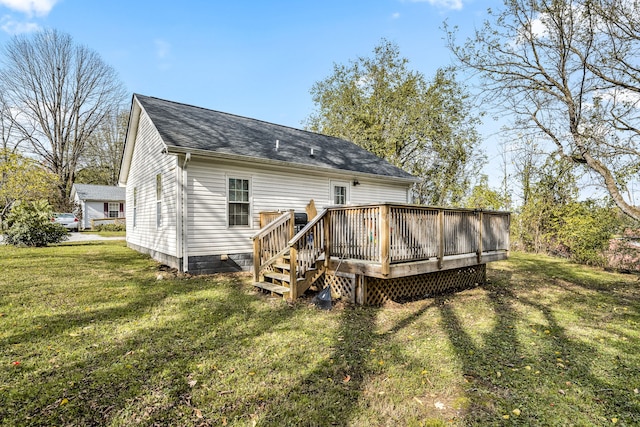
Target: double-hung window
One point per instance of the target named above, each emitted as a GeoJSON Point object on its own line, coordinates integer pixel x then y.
{"type": "Point", "coordinates": [114, 209]}
{"type": "Point", "coordinates": [340, 193]}
{"type": "Point", "coordinates": [239, 204]}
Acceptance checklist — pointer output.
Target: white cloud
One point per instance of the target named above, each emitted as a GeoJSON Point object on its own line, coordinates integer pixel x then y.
{"type": "Point", "coordinates": [395, 15]}
{"type": "Point", "coordinates": [30, 7]}
{"type": "Point", "coordinates": [538, 28]}
{"type": "Point", "coordinates": [445, 4]}
{"type": "Point", "coordinates": [13, 27]}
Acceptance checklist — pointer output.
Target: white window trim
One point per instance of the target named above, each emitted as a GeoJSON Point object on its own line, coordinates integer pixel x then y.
{"type": "Point", "coordinates": [334, 184]}
{"type": "Point", "coordinates": [226, 196]}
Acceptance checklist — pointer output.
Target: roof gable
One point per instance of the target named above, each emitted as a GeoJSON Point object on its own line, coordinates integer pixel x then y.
{"type": "Point", "coordinates": [185, 127]}
{"type": "Point", "coordinates": [100, 192]}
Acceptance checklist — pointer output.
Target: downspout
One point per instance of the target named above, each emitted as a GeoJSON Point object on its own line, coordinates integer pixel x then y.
{"type": "Point", "coordinates": [184, 215]}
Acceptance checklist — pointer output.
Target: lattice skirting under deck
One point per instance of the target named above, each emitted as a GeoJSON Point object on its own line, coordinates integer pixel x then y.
{"type": "Point", "coordinates": [375, 291]}
{"type": "Point", "coordinates": [378, 291]}
{"type": "Point", "coordinates": [342, 285]}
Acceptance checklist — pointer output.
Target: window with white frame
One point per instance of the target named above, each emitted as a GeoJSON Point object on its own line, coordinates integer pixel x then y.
{"type": "Point", "coordinates": [114, 210]}
{"type": "Point", "coordinates": [340, 193]}
{"type": "Point", "coordinates": [159, 200]}
{"type": "Point", "coordinates": [239, 204]}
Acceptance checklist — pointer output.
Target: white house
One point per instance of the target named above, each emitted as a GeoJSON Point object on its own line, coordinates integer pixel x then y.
{"type": "Point", "coordinates": [197, 179]}
{"type": "Point", "coordinates": [98, 202]}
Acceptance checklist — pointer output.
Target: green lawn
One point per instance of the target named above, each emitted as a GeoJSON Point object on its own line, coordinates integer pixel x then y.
{"type": "Point", "coordinates": [90, 336]}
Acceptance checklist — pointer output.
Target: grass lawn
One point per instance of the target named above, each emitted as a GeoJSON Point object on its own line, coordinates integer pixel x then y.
{"type": "Point", "coordinates": [89, 336]}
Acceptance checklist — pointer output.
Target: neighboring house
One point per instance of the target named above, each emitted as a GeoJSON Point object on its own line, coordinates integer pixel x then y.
{"type": "Point", "coordinates": [98, 202]}
{"type": "Point", "coordinates": [197, 179]}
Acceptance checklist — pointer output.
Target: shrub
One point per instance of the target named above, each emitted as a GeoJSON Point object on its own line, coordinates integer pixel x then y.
{"type": "Point", "coordinates": [110, 227]}
{"type": "Point", "coordinates": [29, 224]}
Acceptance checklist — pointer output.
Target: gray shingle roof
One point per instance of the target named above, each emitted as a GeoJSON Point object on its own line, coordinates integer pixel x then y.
{"type": "Point", "coordinates": [190, 127]}
{"type": "Point", "coordinates": [100, 192]}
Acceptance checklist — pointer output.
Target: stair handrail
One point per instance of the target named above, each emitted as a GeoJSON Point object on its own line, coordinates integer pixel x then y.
{"type": "Point", "coordinates": [273, 224]}
{"type": "Point", "coordinates": [258, 264]}
{"type": "Point", "coordinates": [301, 265]}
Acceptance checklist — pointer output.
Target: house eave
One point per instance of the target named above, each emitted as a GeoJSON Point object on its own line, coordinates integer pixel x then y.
{"type": "Point", "coordinates": [282, 164]}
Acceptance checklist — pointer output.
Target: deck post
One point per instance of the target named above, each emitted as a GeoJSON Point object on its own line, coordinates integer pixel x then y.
{"type": "Point", "coordinates": [480, 224]}
{"type": "Point", "coordinates": [327, 238]}
{"type": "Point", "coordinates": [440, 238]}
{"type": "Point", "coordinates": [292, 224]}
{"type": "Point", "coordinates": [385, 240]}
{"type": "Point", "coordinates": [293, 273]}
{"type": "Point", "coordinates": [256, 259]}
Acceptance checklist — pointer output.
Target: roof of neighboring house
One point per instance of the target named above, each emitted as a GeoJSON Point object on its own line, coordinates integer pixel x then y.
{"type": "Point", "coordinates": [90, 192]}
{"type": "Point", "coordinates": [185, 127]}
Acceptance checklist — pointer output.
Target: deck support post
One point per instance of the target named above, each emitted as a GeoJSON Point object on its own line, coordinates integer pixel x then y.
{"type": "Point", "coordinates": [256, 260]}
{"type": "Point", "coordinates": [327, 238]}
{"type": "Point", "coordinates": [440, 238]}
{"type": "Point", "coordinates": [293, 273]}
{"type": "Point", "coordinates": [480, 237]}
{"type": "Point", "coordinates": [385, 240]}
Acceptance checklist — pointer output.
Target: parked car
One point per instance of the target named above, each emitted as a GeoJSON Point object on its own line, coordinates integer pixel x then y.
{"type": "Point", "coordinates": [68, 220]}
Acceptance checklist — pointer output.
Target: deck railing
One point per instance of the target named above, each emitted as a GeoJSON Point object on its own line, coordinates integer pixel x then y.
{"type": "Point", "coordinates": [384, 234]}
{"type": "Point", "coordinates": [271, 242]}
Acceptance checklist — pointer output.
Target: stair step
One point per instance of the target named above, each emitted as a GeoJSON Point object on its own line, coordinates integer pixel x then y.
{"type": "Point", "coordinates": [277, 276]}
{"type": "Point", "coordinates": [272, 287]}
{"type": "Point", "coordinates": [282, 266]}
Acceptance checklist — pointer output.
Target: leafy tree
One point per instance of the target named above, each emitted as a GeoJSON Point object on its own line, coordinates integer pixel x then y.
{"type": "Point", "coordinates": [549, 188]}
{"type": "Point", "coordinates": [22, 179]}
{"type": "Point", "coordinates": [425, 128]}
{"type": "Point", "coordinates": [58, 93]}
{"type": "Point", "coordinates": [484, 197]}
{"type": "Point", "coordinates": [103, 154]}
{"type": "Point", "coordinates": [29, 224]}
{"type": "Point", "coordinates": [585, 229]}
{"type": "Point", "coordinates": [569, 71]}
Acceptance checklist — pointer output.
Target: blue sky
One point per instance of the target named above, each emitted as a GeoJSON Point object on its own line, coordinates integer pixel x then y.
{"type": "Point", "coordinates": [253, 58]}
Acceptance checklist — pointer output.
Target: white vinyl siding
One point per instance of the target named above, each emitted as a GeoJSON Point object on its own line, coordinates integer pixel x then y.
{"type": "Point", "coordinates": [159, 200]}
{"type": "Point", "coordinates": [270, 190]}
{"type": "Point", "coordinates": [147, 162]}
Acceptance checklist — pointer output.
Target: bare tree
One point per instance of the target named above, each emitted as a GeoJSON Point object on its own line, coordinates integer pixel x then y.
{"type": "Point", "coordinates": [567, 70]}
{"type": "Point", "coordinates": [100, 163]}
{"type": "Point", "coordinates": [58, 93]}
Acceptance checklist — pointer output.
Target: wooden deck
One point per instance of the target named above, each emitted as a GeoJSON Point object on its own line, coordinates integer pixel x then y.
{"type": "Point", "coordinates": [385, 241]}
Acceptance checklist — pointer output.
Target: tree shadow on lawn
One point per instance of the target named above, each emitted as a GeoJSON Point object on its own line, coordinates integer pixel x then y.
{"type": "Point", "coordinates": [543, 369]}
{"type": "Point", "coordinates": [136, 363]}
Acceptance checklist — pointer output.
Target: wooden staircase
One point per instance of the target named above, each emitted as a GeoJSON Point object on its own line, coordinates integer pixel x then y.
{"type": "Point", "coordinates": [278, 281]}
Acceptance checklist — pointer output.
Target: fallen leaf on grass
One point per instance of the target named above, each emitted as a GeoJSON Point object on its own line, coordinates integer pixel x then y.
{"type": "Point", "coordinates": [198, 413]}
{"type": "Point", "coordinates": [192, 383]}
{"type": "Point", "coordinates": [439, 405]}
{"type": "Point", "coordinates": [64, 401]}
{"type": "Point", "coordinates": [346, 379]}
{"type": "Point", "coordinates": [516, 412]}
